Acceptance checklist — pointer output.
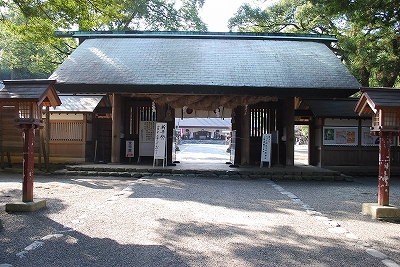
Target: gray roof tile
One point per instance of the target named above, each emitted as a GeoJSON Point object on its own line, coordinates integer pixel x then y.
{"type": "Point", "coordinates": [81, 103]}
{"type": "Point", "coordinates": [337, 108]}
{"type": "Point", "coordinates": [264, 64]}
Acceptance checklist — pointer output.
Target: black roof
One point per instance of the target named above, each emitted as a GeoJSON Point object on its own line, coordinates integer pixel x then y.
{"type": "Point", "coordinates": [242, 64]}
{"type": "Point", "coordinates": [333, 108]}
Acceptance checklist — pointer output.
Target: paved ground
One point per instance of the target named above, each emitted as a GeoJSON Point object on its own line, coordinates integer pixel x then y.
{"type": "Point", "coordinates": [183, 221]}
{"type": "Point", "coordinates": [209, 153]}
{"type": "Point", "coordinates": [188, 221]}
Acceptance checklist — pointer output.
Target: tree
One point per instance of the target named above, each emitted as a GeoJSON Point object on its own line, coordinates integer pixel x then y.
{"type": "Point", "coordinates": [373, 39]}
{"type": "Point", "coordinates": [31, 46]}
{"type": "Point", "coordinates": [298, 16]}
{"type": "Point", "coordinates": [368, 33]}
{"type": "Point", "coordinates": [24, 55]}
{"type": "Point", "coordinates": [159, 15]}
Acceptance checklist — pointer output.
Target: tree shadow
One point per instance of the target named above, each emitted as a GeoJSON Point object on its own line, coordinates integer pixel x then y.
{"type": "Point", "coordinates": [33, 239]}
{"type": "Point", "coordinates": [279, 245]}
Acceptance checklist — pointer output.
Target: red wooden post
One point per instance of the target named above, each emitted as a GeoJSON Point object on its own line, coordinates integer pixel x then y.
{"type": "Point", "coordinates": [28, 163]}
{"type": "Point", "coordinates": [384, 168]}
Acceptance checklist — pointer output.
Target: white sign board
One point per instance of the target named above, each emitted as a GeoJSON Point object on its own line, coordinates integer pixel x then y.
{"type": "Point", "coordinates": [233, 147]}
{"type": "Point", "coordinates": [146, 138]}
{"type": "Point", "coordinates": [130, 148]}
{"type": "Point", "coordinates": [266, 149]}
{"type": "Point", "coordinates": [160, 140]}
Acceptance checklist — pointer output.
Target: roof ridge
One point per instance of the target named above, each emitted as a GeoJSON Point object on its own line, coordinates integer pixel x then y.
{"type": "Point", "coordinates": [197, 35]}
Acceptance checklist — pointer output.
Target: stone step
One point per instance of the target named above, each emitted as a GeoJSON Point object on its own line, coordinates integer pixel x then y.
{"type": "Point", "coordinates": [269, 174]}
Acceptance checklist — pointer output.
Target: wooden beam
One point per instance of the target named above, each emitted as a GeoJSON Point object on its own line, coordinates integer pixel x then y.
{"type": "Point", "coordinates": [116, 129]}
{"type": "Point", "coordinates": [245, 136]}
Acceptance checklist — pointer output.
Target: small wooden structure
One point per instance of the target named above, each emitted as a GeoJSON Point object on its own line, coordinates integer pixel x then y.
{"type": "Point", "coordinates": [72, 126]}
{"type": "Point", "coordinates": [384, 105]}
{"type": "Point", "coordinates": [28, 97]}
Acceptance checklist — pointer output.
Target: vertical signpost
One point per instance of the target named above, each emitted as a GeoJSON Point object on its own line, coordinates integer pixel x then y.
{"type": "Point", "coordinates": [160, 140]}
{"type": "Point", "coordinates": [266, 150]}
{"type": "Point", "coordinates": [233, 149]}
{"type": "Point", "coordinates": [130, 149]}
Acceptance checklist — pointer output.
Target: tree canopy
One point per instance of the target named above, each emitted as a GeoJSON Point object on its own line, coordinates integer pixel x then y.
{"type": "Point", "coordinates": [30, 48]}
{"type": "Point", "coordinates": [367, 31]}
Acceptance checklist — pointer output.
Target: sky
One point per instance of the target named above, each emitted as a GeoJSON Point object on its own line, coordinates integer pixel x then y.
{"type": "Point", "coordinates": [216, 13]}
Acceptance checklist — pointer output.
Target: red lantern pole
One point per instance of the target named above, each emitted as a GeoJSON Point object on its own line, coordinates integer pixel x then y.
{"type": "Point", "coordinates": [28, 162]}
{"type": "Point", "coordinates": [384, 168]}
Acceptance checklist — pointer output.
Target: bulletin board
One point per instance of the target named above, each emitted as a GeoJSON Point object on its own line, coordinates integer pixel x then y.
{"type": "Point", "coordinates": [146, 138]}
{"type": "Point", "coordinates": [344, 136]}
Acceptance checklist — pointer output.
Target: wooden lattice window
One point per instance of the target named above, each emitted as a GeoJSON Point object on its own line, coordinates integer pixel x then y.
{"type": "Point", "coordinates": [138, 114]}
{"type": "Point", "coordinates": [261, 120]}
{"type": "Point", "coordinates": [66, 131]}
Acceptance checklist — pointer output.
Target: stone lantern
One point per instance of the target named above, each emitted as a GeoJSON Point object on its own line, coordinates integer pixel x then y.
{"type": "Point", "coordinates": [384, 106]}
{"type": "Point", "coordinates": [28, 97]}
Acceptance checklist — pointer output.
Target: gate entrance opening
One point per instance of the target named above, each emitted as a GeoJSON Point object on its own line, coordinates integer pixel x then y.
{"type": "Point", "coordinates": [301, 145]}
{"type": "Point", "coordinates": [202, 140]}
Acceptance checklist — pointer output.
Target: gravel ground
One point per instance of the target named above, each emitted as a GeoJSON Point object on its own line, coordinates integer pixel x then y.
{"type": "Point", "coordinates": [184, 221]}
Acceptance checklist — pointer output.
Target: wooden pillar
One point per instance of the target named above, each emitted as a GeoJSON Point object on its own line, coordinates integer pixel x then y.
{"type": "Point", "coordinates": [171, 133]}
{"type": "Point", "coordinates": [236, 126]}
{"type": "Point", "coordinates": [384, 168]}
{"type": "Point", "coordinates": [289, 118]}
{"type": "Point", "coordinates": [46, 140]}
{"type": "Point", "coordinates": [116, 129]}
{"type": "Point", "coordinates": [312, 155]}
{"type": "Point", "coordinates": [28, 162]}
{"type": "Point", "coordinates": [245, 136]}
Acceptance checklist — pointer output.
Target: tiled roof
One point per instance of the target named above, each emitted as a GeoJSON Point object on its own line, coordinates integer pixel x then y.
{"type": "Point", "coordinates": [328, 108]}
{"type": "Point", "coordinates": [278, 67]}
{"type": "Point", "coordinates": [33, 90]}
{"type": "Point", "coordinates": [373, 99]}
{"type": "Point", "coordinates": [75, 103]}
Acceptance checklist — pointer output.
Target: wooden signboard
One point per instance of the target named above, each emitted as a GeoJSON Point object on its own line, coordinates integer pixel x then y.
{"type": "Point", "coordinates": [266, 149]}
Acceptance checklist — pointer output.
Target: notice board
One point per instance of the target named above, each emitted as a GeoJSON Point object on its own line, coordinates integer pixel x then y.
{"type": "Point", "coordinates": [146, 138]}
{"type": "Point", "coordinates": [266, 149]}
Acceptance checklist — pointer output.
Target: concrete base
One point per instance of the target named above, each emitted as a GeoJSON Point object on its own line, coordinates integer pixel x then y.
{"type": "Point", "coordinates": [380, 212]}
{"type": "Point", "coordinates": [26, 206]}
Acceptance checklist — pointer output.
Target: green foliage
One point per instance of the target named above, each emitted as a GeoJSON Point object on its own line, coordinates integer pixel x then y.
{"type": "Point", "coordinates": [27, 56]}
{"type": "Point", "coordinates": [367, 31]}
{"type": "Point", "coordinates": [158, 15]}
{"type": "Point", "coordinates": [298, 16]}
{"type": "Point", "coordinates": [29, 47]}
